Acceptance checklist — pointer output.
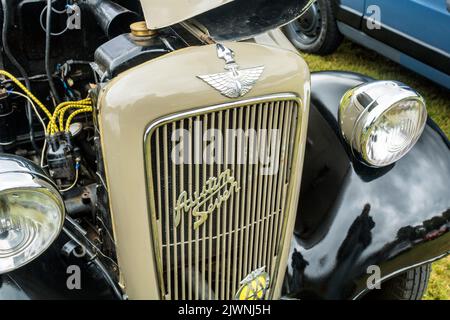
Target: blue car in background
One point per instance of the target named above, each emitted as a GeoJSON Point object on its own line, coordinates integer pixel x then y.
{"type": "Point", "coordinates": [414, 33]}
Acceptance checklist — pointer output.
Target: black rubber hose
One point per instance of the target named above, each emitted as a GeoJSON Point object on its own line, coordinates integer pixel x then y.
{"type": "Point", "coordinates": [48, 36]}
{"type": "Point", "coordinates": [19, 68]}
{"type": "Point", "coordinates": [92, 256]}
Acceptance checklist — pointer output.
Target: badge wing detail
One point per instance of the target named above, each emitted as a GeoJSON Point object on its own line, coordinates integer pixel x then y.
{"type": "Point", "coordinates": [234, 83]}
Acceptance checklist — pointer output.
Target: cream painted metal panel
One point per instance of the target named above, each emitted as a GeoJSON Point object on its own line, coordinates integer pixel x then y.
{"type": "Point", "coordinates": [163, 13]}
{"type": "Point", "coordinates": [275, 38]}
{"type": "Point", "coordinates": [168, 86]}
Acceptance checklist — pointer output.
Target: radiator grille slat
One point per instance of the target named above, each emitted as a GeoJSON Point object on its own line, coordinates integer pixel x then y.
{"type": "Point", "coordinates": [175, 230]}
{"type": "Point", "coordinates": [261, 188]}
{"type": "Point", "coordinates": [279, 189]}
{"type": "Point", "coordinates": [250, 213]}
{"type": "Point", "coordinates": [237, 119]}
{"type": "Point", "coordinates": [204, 272]}
{"type": "Point", "coordinates": [271, 188]}
{"type": "Point", "coordinates": [167, 216]}
{"type": "Point", "coordinates": [190, 226]}
{"type": "Point", "coordinates": [228, 115]}
{"type": "Point", "coordinates": [243, 232]}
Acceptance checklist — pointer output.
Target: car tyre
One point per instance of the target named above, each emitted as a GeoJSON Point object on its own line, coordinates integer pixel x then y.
{"type": "Point", "coordinates": [410, 285]}
{"type": "Point", "coordinates": [316, 31]}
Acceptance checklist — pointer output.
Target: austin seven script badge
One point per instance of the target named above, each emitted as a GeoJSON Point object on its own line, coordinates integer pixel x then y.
{"type": "Point", "coordinates": [214, 193]}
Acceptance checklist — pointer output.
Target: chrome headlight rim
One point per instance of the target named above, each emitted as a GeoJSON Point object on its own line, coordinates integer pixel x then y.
{"type": "Point", "coordinates": [26, 181]}
{"type": "Point", "coordinates": [362, 117]}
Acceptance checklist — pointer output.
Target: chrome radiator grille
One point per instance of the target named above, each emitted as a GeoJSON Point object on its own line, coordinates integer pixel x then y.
{"type": "Point", "coordinates": [243, 232]}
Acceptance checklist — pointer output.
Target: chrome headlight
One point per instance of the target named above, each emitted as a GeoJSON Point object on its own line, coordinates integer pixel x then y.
{"type": "Point", "coordinates": [382, 121]}
{"type": "Point", "coordinates": [31, 212]}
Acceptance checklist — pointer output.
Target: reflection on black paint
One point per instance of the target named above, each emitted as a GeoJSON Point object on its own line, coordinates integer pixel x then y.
{"type": "Point", "coordinates": [358, 238]}
{"type": "Point", "coordinates": [351, 217]}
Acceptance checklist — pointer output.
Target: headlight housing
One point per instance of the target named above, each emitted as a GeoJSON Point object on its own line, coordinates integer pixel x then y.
{"type": "Point", "coordinates": [382, 121]}
{"type": "Point", "coordinates": [31, 213]}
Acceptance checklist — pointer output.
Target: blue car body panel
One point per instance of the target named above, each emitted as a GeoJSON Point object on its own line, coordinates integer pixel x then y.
{"type": "Point", "coordinates": [427, 21]}
{"type": "Point", "coordinates": [356, 5]}
{"type": "Point", "coordinates": [413, 33]}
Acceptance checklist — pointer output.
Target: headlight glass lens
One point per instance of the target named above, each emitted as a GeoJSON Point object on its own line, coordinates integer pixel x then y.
{"type": "Point", "coordinates": [30, 220]}
{"type": "Point", "coordinates": [394, 133]}
{"type": "Point", "coordinates": [381, 121]}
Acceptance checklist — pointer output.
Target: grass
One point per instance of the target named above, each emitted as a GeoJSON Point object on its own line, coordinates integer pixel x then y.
{"type": "Point", "coordinates": [352, 57]}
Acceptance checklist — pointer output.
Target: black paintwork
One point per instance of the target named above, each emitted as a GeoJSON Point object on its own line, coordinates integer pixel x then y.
{"type": "Point", "coordinates": [126, 51]}
{"type": "Point", "coordinates": [111, 16]}
{"type": "Point", "coordinates": [243, 19]}
{"type": "Point", "coordinates": [46, 278]}
{"type": "Point", "coordinates": [351, 216]}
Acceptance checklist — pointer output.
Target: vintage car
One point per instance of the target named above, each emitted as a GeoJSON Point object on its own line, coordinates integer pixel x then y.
{"type": "Point", "coordinates": [181, 149]}
{"type": "Point", "coordinates": [391, 28]}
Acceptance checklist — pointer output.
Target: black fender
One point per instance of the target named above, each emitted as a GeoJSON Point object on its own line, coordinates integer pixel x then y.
{"type": "Point", "coordinates": [351, 217]}
{"type": "Point", "coordinates": [47, 276]}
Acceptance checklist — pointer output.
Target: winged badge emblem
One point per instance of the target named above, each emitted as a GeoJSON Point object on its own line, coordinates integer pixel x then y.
{"type": "Point", "coordinates": [235, 82]}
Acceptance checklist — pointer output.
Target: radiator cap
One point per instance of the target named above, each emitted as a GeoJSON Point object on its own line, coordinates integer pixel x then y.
{"type": "Point", "coordinates": [139, 29]}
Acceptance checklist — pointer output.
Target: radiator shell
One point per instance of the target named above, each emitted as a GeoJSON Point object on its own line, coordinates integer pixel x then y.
{"type": "Point", "coordinates": [130, 103]}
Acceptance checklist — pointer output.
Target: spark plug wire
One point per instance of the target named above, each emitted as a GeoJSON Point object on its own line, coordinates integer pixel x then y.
{"type": "Point", "coordinates": [75, 113]}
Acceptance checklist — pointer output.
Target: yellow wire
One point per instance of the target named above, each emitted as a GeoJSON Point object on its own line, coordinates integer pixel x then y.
{"type": "Point", "coordinates": [63, 111]}
{"type": "Point", "coordinates": [86, 101]}
{"type": "Point", "coordinates": [24, 89]}
{"type": "Point", "coordinates": [75, 113]}
{"type": "Point", "coordinates": [65, 106]}
{"type": "Point", "coordinates": [84, 105]}
{"type": "Point", "coordinates": [52, 125]}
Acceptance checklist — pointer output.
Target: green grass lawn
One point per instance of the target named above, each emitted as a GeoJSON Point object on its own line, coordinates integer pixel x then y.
{"type": "Point", "coordinates": [352, 57]}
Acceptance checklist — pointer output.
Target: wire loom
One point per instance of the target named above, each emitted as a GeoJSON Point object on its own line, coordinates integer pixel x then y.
{"type": "Point", "coordinates": [82, 106]}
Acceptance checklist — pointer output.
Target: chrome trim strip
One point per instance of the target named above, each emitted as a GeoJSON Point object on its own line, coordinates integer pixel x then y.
{"type": "Point", "coordinates": [202, 110]}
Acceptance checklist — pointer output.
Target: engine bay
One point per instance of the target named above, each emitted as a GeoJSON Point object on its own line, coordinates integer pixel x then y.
{"type": "Point", "coordinates": [51, 71]}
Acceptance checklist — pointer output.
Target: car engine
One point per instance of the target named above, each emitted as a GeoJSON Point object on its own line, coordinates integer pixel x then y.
{"type": "Point", "coordinates": [53, 65]}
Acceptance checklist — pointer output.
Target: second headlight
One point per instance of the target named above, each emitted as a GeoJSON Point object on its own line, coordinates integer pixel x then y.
{"type": "Point", "coordinates": [382, 121]}
{"type": "Point", "coordinates": [31, 212]}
